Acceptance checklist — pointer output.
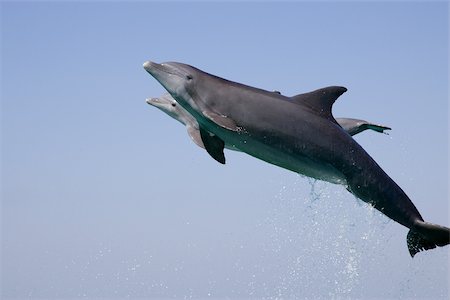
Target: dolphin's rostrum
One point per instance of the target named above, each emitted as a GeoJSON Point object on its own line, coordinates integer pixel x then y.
{"type": "Point", "coordinates": [299, 134]}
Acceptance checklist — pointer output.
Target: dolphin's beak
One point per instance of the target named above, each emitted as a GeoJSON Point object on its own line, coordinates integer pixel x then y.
{"type": "Point", "coordinates": [151, 101]}
{"type": "Point", "coordinates": [149, 66]}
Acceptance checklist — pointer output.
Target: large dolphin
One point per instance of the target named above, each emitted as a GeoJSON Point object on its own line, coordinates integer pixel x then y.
{"type": "Point", "coordinates": [169, 105]}
{"type": "Point", "coordinates": [299, 134]}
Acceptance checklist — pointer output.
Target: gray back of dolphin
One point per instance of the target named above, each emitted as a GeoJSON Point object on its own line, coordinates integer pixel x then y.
{"type": "Point", "coordinates": [300, 135]}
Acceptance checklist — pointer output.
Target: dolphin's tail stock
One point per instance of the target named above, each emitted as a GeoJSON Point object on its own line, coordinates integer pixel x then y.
{"type": "Point", "coordinates": [425, 236]}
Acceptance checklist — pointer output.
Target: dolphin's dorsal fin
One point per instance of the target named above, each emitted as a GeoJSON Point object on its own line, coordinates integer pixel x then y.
{"type": "Point", "coordinates": [320, 100]}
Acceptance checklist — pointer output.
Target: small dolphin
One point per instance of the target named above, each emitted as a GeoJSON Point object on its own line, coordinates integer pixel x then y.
{"type": "Point", "coordinates": [299, 134]}
{"type": "Point", "coordinates": [169, 105]}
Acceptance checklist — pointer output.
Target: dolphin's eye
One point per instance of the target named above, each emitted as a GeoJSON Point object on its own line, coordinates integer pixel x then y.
{"type": "Point", "coordinates": [188, 77]}
{"type": "Point", "coordinates": [174, 104]}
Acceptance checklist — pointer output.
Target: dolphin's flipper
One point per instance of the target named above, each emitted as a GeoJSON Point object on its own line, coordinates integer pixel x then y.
{"type": "Point", "coordinates": [425, 236]}
{"type": "Point", "coordinates": [194, 133]}
{"type": "Point", "coordinates": [213, 144]}
{"type": "Point", "coordinates": [355, 126]}
{"type": "Point", "coordinates": [222, 121]}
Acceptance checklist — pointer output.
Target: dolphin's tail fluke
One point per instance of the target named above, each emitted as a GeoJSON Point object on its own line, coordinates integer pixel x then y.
{"type": "Point", "coordinates": [425, 236]}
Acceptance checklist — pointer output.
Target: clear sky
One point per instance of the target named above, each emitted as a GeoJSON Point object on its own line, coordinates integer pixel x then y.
{"type": "Point", "coordinates": [105, 196]}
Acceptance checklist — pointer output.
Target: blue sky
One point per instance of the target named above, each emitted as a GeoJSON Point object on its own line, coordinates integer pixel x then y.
{"type": "Point", "coordinates": [105, 196]}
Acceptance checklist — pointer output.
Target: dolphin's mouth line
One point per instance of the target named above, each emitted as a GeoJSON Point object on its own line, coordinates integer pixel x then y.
{"type": "Point", "coordinates": [152, 100]}
{"type": "Point", "coordinates": [163, 68]}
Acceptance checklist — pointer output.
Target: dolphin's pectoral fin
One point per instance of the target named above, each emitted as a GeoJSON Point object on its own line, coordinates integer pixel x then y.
{"type": "Point", "coordinates": [194, 133]}
{"type": "Point", "coordinates": [222, 121]}
{"type": "Point", "coordinates": [213, 145]}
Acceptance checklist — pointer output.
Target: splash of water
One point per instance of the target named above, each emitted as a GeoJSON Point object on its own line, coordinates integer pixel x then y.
{"type": "Point", "coordinates": [324, 235]}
